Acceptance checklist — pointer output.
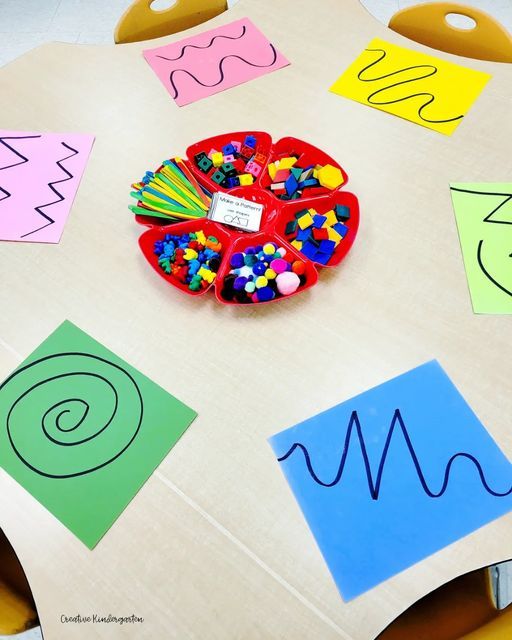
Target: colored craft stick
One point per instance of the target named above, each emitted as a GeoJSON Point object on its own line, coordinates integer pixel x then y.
{"type": "Point", "coordinates": [170, 192]}
{"type": "Point", "coordinates": [188, 173]}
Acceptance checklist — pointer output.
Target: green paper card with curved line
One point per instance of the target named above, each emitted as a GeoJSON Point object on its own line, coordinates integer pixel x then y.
{"type": "Point", "coordinates": [82, 430]}
{"type": "Point", "coordinates": [418, 87]}
{"type": "Point", "coordinates": [483, 212]}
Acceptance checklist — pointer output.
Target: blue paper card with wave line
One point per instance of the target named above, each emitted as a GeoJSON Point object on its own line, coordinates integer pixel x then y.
{"type": "Point", "coordinates": [82, 430]}
{"type": "Point", "coordinates": [393, 475]}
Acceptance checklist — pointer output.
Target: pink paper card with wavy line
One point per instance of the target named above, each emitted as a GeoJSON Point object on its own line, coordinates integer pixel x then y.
{"type": "Point", "coordinates": [39, 177]}
{"type": "Point", "coordinates": [198, 67]}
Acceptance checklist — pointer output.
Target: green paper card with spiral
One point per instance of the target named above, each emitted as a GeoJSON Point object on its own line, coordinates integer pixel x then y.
{"type": "Point", "coordinates": [82, 430]}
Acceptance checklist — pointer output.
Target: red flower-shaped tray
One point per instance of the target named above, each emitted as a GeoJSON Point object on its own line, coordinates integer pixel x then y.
{"type": "Point", "coordinates": [276, 212]}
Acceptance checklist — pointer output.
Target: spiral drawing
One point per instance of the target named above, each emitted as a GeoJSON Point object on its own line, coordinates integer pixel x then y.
{"type": "Point", "coordinates": [70, 414]}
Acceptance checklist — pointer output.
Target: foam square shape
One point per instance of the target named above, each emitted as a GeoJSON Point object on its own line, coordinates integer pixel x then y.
{"type": "Point", "coordinates": [393, 475]}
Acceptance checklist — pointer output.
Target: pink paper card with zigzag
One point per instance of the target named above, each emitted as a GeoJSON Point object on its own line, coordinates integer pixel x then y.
{"type": "Point", "coordinates": [215, 60]}
{"type": "Point", "coordinates": [39, 177]}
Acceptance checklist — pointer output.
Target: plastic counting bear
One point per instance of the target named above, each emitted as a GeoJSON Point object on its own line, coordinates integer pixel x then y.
{"type": "Point", "coordinates": [308, 221]}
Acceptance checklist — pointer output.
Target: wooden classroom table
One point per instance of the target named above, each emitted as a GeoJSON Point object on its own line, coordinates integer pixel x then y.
{"type": "Point", "coordinates": [214, 546]}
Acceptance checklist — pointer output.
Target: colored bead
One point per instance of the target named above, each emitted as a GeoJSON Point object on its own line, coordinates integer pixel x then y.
{"type": "Point", "coordinates": [205, 164]}
{"type": "Point", "coordinates": [228, 149]}
{"type": "Point", "coordinates": [279, 265]}
{"type": "Point", "coordinates": [250, 141]}
{"type": "Point", "coordinates": [246, 179]}
{"type": "Point", "coordinates": [253, 168]}
{"type": "Point", "coordinates": [287, 283]}
{"type": "Point", "coordinates": [259, 269]}
{"type": "Point", "coordinates": [237, 260]}
{"type": "Point", "coordinates": [265, 294]}
{"type": "Point", "coordinates": [217, 158]}
{"type": "Point", "coordinates": [298, 267]}
{"type": "Point", "coordinates": [239, 283]}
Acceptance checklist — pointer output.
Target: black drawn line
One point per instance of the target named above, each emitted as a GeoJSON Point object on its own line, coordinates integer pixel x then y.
{"type": "Point", "coordinates": [17, 153]}
{"type": "Point", "coordinates": [432, 71]}
{"type": "Point", "coordinates": [60, 197]}
{"type": "Point", "coordinates": [207, 46]}
{"type": "Point", "coordinates": [63, 406]}
{"type": "Point", "coordinates": [374, 485]}
{"type": "Point", "coordinates": [490, 219]}
{"type": "Point", "coordinates": [221, 71]}
{"type": "Point", "coordinates": [485, 271]}
{"type": "Point", "coordinates": [20, 155]}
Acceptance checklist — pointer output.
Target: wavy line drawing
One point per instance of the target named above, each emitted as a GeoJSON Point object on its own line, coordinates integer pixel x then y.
{"type": "Point", "coordinates": [207, 46]}
{"type": "Point", "coordinates": [221, 71]}
{"type": "Point", "coordinates": [45, 376]}
{"type": "Point", "coordinates": [195, 68]}
{"type": "Point", "coordinates": [430, 97]}
{"type": "Point", "coordinates": [6, 193]}
{"type": "Point", "coordinates": [490, 219]}
{"type": "Point", "coordinates": [374, 485]}
{"type": "Point", "coordinates": [60, 197]}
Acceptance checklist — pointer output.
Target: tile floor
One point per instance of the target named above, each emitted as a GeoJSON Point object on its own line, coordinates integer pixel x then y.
{"type": "Point", "coordinates": [25, 24]}
{"type": "Point", "coordinates": [499, 9]}
{"type": "Point", "coordinates": [33, 634]}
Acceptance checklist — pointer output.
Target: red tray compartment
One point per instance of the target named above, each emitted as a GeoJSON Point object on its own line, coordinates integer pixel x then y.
{"type": "Point", "coordinates": [262, 237]}
{"type": "Point", "coordinates": [323, 204]}
{"type": "Point", "coordinates": [148, 238]}
{"type": "Point", "coordinates": [263, 146]}
{"type": "Point", "coordinates": [307, 154]}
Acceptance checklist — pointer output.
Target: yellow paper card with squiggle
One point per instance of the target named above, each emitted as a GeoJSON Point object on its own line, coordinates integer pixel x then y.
{"type": "Point", "coordinates": [412, 85]}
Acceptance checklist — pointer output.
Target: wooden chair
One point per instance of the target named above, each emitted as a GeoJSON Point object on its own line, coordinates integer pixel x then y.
{"type": "Point", "coordinates": [141, 22]}
{"type": "Point", "coordinates": [17, 609]}
{"type": "Point", "coordinates": [462, 609]}
{"type": "Point", "coordinates": [426, 23]}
